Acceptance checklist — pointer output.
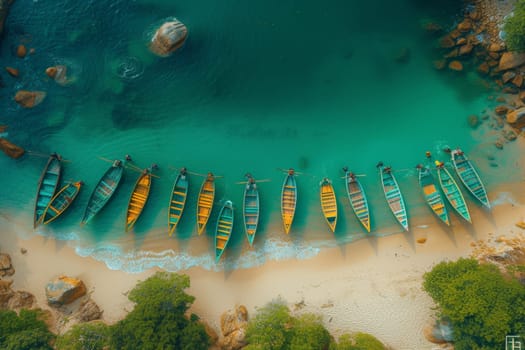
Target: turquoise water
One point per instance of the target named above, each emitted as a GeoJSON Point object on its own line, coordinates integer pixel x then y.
{"type": "Point", "coordinates": [256, 88]}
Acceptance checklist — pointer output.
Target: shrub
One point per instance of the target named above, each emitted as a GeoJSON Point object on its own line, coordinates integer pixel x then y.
{"type": "Point", "coordinates": [26, 330]}
{"type": "Point", "coordinates": [514, 28]}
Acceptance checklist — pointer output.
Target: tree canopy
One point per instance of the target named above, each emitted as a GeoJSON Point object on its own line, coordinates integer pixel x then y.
{"type": "Point", "coordinates": [482, 305]}
{"type": "Point", "coordinates": [92, 336]}
{"type": "Point", "coordinates": [159, 319]}
{"type": "Point", "coordinates": [26, 330]}
{"type": "Point", "coordinates": [514, 28]}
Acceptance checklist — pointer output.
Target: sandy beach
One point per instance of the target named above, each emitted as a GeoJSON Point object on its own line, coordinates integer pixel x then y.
{"type": "Point", "coordinates": [371, 285]}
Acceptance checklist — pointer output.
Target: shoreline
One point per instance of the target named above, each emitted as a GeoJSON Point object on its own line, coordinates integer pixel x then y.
{"type": "Point", "coordinates": [353, 286]}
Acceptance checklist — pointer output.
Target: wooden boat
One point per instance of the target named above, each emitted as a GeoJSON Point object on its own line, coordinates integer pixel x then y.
{"type": "Point", "coordinates": [328, 203]}
{"type": "Point", "coordinates": [61, 201]}
{"type": "Point", "coordinates": [103, 191]}
{"type": "Point", "coordinates": [224, 229]}
{"type": "Point", "coordinates": [251, 209]}
{"type": "Point", "coordinates": [469, 176]}
{"type": "Point", "coordinates": [357, 198]}
{"type": "Point", "coordinates": [288, 200]}
{"type": "Point", "coordinates": [393, 196]}
{"type": "Point", "coordinates": [452, 192]}
{"type": "Point", "coordinates": [205, 202]}
{"type": "Point", "coordinates": [178, 197]}
{"type": "Point", "coordinates": [47, 186]}
{"type": "Point", "coordinates": [432, 195]}
{"type": "Point", "coordinates": [138, 198]}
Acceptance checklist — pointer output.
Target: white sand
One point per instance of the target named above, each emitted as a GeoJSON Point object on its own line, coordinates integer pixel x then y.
{"type": "Point", "coordinates": [372, 285]}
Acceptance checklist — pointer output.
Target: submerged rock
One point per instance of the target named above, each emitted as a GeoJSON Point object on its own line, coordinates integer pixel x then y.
{"type": "Point", "coordinates": [168, 38]}
{"type": "Point", "coordinates": [12, 71]}
{"type": "Point", "coordinates": [473, 121]}
{"type": "Point", "coordinates": [455, 65]}
{"type": "Point", "coordinates": [6, 268]}
{"type": "Point", "coordinates": [29, 99]}
{"type": "Point", "coordinates": [11, 149]}
{"type": "Point", "coordinates": [58, 74]}
{"type": "Point", "coordinates": [64, 290]}
{"type": "Point", "coordinates": [21, 51]}
{"type": "Point", "coordinates": [4, 10]}
{"type": "Point", "coordinates": [516, 118]}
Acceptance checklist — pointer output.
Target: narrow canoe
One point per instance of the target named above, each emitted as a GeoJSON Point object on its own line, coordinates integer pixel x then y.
{"type": "Point", "coordinates": [288, 200]}
{"type": "Point", "coordinates": [103, 191]}
{"type": "Point", "coordinates": [224, 229]}
{"type": "Point", "coordinates": [61, 201]}
{"type": "Point", "coordinates": [393, 196]}
{"type": "Point", "coordinates": [138, 198]}
{"type": "Point", "coordinates": [178, 197]}
{"type": "Point", "coordinates": [469, 176]}
{"type": "Point", "coordinates": [47, 186]}
{"type": "Point", "coordinates": [432, 195]}
{"type": "Point", "coordinates": [358, 201]}
{"type": "Point", "coordinates": [328, 203]}
{"type": "Point", "coordinates": [251, 209]}
{"type": "Point", "coordinates": [205, 202]}
{"type": "Point", "coordinates": [452, 192]}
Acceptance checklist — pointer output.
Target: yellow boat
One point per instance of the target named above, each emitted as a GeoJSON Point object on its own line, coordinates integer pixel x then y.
{"type": "Point", "coordinates": [288, 200]}
{"type": "Point", "coordinates": [205, 202]}
{"type": "Point", "coordinates": [138, 198]}
{"type": "Point", "coordinates": [328, 203]}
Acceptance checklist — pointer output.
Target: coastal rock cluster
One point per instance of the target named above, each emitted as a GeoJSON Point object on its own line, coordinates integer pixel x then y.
{"type": "Point", "coordinates": [9, 298]}
{"type": "Point", "coordinates": [233, 329]}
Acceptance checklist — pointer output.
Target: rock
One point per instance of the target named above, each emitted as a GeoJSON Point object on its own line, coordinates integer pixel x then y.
{"type": "Point", "coordinates": [455, 65]}
{"type": "Point", "coordinates": [453, 53]}
{"type": "Point", "coordinates": [498, 144]}
{"type": "Point", "coordinates": [232, 320]}
{"type": "Point", "coordinates": [432, 27]}
{"type": "Point", "coordinates": [501, 110]}
{"type": "Point", "coordinates": [509, 135]}
{"type": "Point", "coordinates": [64, 290]}
{"type": "Point", "coordinates": [494, 55]}
{"type": "Point", "coordinates": [483, 68]}
{"type": "Point", "coordinates": [58, 74]}
{"type": "Point", "coordinates": [11, 149]}
{"type": "Point", "coordinates": [516, 118]}
{"type": "Point", "coordinates": [234, 341]}
{"type": "Point", "coordinates": [89, 311]}
{"type": "Point", "coordinates": [510, 90]}
{"type": "Point", "coordinates": [501, 99]}
{"type": "Point", "coordinates": [461, 41]}
{"type": "Point", "coordinates": [473, 121]}
{"type": "Point", "coordinates": [51, 72]}
{"type": "Point", "coordinates": [521, 224]}
{"type": "Point", "coordinates": [465, 49]}
{"type": "Point", "coordinates": [440, 64]}
{"type": "Point", "coordinates": [522, 96]}
{"type": "Point", "coordinates": [21, 51]}
{"type": "Point", "coordinates": [494, 47]}
{"type": "Point", "coordinates": [421, 240]}
{"type": "Point", "coordinates": [511, 60]}
{"type": "Point", "coordinates": [454, 34]}
{"type": "Point", "coordinates": [439, 332]}
{"type": "Point", "coordinates": [6, 293]}
{"type": "Point", "coordinates": [21, 300]}
{"type": "Point", "coordinates": [508, 76]}
{"type": "Point", "coordinates": [492, 63]}
{"type": "Point", "coordinates": [465, 25]}
{"type": "Point", "coordinates": [447, 42]}
{"type": "Point", "coordinates": [518, 80]}
{"type": "Point", "coordinates": [493, 165]}
{"type": "Point", "coordinates": [6, 268]}
{"type": "Point", "coordinates": [23, 250]}
{"type": "Point", "coordinates": [474, 15]}
{"type": "Point", "coordinates": [29, 99]}
{"type": "Point", "coordinates": [12, 71]}
{"type": "Point", "coordinates": [168, 38]}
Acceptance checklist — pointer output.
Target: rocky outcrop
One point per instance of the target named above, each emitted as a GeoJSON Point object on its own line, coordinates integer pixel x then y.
{"type": "Point", "coordinates": [4, 10]}
{"type": "Point", "coordinates": [29, 99]}
{"type": "Point", "coordinates": [6, 268]}
{"type": "Point", "coordinates": [233, 328]}
{"type": "Point", "coordinates": [168, 38]}
{"type": "Point", "coordinates": [5, 293]}
{"type": "Point", "coordinates": [516, 118]}
{"type": "Point", "coordinates": [511, 60]}
{"type": "Point", "coordinates": [64, 290]}
{"type": "Point", "coordinates": [11, 149]}
{"type": "Point", "coordinates": [21, 300]}
{"type": "Point", "coordinates": [89, 311]}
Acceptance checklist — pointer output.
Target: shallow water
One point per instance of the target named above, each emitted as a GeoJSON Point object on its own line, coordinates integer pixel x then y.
{"type": "Point", "coordinates": [256, 88]}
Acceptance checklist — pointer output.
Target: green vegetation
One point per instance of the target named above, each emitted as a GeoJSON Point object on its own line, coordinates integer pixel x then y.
{"type": "Point", "coordinates": [159, 319]}
{"type": "Point", "coordinates": [24, 331]}
{"type": "Point", "coordinates": [482, 305]}
{"type": "Point", "coordinates": [514, 28]}
{"type": "Point", "coordinates": [93, 336]}
{"type": "Point", "coordinates": [274, 328]}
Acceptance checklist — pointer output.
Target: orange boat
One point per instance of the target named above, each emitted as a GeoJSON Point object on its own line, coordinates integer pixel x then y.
{"type": "Point", "coordinates": [138, 198]}
{"type": "Point", "coordinates": [205, 202]}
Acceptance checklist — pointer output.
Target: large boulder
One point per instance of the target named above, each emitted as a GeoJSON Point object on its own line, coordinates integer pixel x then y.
{"type": "Point", "coordinates": [29, 99]}
{"type": "Point", "coordinates": [233, 327]}
{"type": "Point", "coordinates": [511, 60]}
{"type": "Point", "coordinates": [89, 311]}
{"type": "Point", "coordinates": [64, 290]}
{"type": "Point", "coordinates": [11, 149]}
{"type": "Point", "coordinates": [4, 10]}
{"type": "Point", "coordinates": [168, 38]}
{"type": "Point", "coordinates": [6, 268]}
{"type": "Point", "coordinates": [21, 300]}
{"type": "Point", "coordinates": [516, 118]}
{"type": "Point", "coordinates": [5, 293]}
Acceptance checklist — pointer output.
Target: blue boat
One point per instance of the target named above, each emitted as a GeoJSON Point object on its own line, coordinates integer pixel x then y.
{"type": "Point", "coordinates": [357, 198]}
{"type": "Point", "coordinates": [251, 209]}
{"type": "Point", "coordinates": [224, 229]}
{"type": "Point", "coordinates": [61, 201]}
{"type": "Point", "coordinates": [179, 193]}
{"type": "Point", "coordinates": [47, 186]}
{"type": "Point", "coordinates": [452, 192]}
{"type": "Point", "coordinates": [469, 176]}
{"type": "Point", "coordinates": [393, 195]}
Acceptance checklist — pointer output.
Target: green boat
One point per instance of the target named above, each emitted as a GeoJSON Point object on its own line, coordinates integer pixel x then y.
{"type": "Point", "coordinates": [432, 195]}
{"type": "Point", "coordinates": [393, 195]}
{"type": "Point", "coordinates": [104, 190]}
{"type": "Point", "coordinates": [357, 198]}
{"type": "Point", "coordinates": [47, 186]}
{"type": "Point", "coordinates": [251, 209]}
{"type": "Point", "coordinates": [469, 176]}
{"type": "Point", "coordinates": [452, 192]}
{"type": "Point", "coordinates": [178, 197]}
{"type": "Point", "coordinates": [61, 201]}
{"type": "Point", "coordinates": [224, 229]}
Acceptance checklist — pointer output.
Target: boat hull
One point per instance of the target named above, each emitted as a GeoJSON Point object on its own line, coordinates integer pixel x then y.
{"type": "Point", "coordinates": [179, 193]}
{"type": "Point", "coordinates": [432, 195]}
{"type": "Point", "coordinates": [358, 201]}
{"type": "Point", "coordinates": [288, 201]}
{"type": "Point", "coordinates": [47, 186]}
{"type": "Point", "coordinates": [453, 194]}
{"type": "Point", "coordinates": [251, 211]}
{"type": "Point", "coordinates": [137, 201]}
{"type": "Point", "coordinates": [61, 201]}
{"type": "Point", "coordinates": [205, 204]}
{"type": "Point", "coordinates": [224, 229]}
{"type": "Point", "coordinates": [394, 197]}
{"type": "Point", "coordinates": [328, 203]}
{"type": "Point", "coordinates": [469, 177]}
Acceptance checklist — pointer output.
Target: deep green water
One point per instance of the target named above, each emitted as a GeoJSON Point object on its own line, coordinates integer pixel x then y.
{"type": "Point", "coordinates": [257, 87]}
